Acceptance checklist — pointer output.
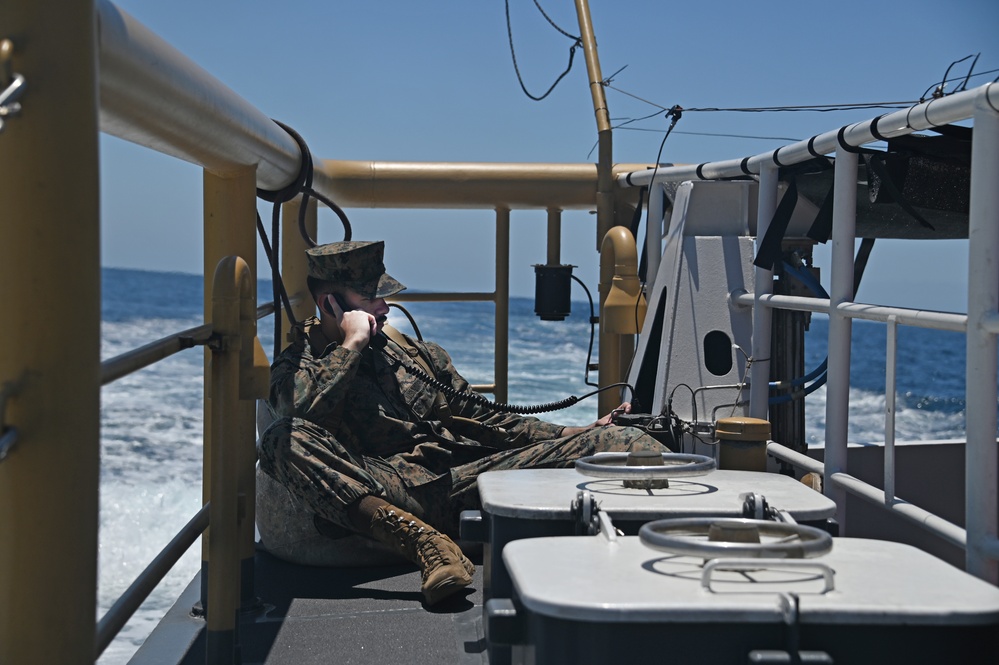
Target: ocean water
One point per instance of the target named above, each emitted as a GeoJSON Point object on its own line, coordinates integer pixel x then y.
{"type": "Point", "coordinates": [151, 421]}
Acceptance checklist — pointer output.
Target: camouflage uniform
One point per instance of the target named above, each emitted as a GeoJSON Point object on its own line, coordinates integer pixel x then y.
{"type": "Point", "coordinates": [353, 424]}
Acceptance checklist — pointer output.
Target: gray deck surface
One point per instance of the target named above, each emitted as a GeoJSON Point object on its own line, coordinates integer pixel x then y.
{"type": "Point", "coordinates": [354, 615]}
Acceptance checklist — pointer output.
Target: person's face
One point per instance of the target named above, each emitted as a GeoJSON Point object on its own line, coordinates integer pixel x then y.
{"type": "Point", "coordinates": [377, 307]}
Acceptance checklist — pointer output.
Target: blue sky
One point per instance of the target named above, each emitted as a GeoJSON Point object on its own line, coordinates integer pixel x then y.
{"type": "Point", "coordinates": [434, 81]}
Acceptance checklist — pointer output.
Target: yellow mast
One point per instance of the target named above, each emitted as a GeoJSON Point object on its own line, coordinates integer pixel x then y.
{"type": "Point", "coordinates": [615, 348]}
{"type": "Point", "coordinates": [50, 332]}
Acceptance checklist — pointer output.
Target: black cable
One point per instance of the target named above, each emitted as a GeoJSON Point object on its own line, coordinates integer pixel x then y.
{"type": "Point", "coordinates": [593, 323]}
{"type": "Point", "coordinates": [938, 88]}
{"type": "Point", "coordinates": [676, 112]}
{"type": "Point", "coordinates": [516, 68]}
{"type": "Point", "coordinates": [280, 294]}
{"type": "Point", "coordinates": [412, 321]}
{"type": "Point", "coordinates": [552, 23]}
{"type": "Point", "coordinates": [302, 184]}
{"type": "Point", "coordinates": [473, 396]}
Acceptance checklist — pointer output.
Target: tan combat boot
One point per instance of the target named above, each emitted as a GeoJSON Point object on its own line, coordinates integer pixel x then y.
{"type": "Point", "coordinates": [445, 569]}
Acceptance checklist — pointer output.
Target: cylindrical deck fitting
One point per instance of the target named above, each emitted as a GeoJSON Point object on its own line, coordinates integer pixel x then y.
{"type": "Point", "coordinates": [742, 443]}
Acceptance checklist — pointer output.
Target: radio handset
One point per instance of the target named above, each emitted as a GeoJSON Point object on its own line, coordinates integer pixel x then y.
{"type": "Point", "coordinates": [339, 301]}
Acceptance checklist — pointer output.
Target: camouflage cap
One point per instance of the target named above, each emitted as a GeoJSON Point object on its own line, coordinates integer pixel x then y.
{"type": "Point", "coordinates": [357, 265]}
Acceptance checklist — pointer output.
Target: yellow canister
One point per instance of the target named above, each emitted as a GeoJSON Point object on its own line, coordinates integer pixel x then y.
{"type": "Point", "coordinates": [742, 443]}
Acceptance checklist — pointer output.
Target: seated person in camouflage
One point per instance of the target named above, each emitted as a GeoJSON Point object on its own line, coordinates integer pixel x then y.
{"type": "Point", "coordinates": [372, 448]}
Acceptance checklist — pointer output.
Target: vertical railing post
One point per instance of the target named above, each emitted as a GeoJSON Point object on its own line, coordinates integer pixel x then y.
{"type": "Point", "coordinates": [231, 278]}
{"type": "Point", "coordinates": [50, 365]}
{"type": "Point", "coordinates": [501, 362]}
{"type": "Point", "coordinates": [230, 230]}
{"type": "Point", "coordinates": [654, 232]}
{"type": "Point", "coordinates": [554, 234]}
{"type": "Point", "coordinates": [840, 325]}
{"type": "Point", "coordinates": [891, 362]}
{"type": "Point", "coordinates": [759, 395]}
{"type": "Point", "coordinates": [983, 302]}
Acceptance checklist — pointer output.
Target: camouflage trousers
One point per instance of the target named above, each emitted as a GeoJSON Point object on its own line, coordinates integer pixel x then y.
{"type": "Point", "coordinates": [323, 475]}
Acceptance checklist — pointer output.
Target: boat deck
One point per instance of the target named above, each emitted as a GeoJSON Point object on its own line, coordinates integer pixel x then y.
{"type": "Point", "coordinates": [343, 615]}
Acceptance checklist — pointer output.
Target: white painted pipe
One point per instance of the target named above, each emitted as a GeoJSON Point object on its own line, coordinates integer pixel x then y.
{"type": "Point", "coordinates": [917, 318]}
{"type": "Point", "coordinates": [983, 302]}
{"type": "Point", "coordinates": [840, 326]}
{"type": "Point", "coordinates": [891, 361]}
{"type": "Point", "coordinates": [654, 232]}
{"type": "Point", "coordinates": [763, 285]}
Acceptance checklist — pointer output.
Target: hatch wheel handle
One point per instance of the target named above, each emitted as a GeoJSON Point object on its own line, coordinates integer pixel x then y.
{"type": "Point", "coordinates": [615, 466]}
{"type": "Point", "coordinates": [711, 537]}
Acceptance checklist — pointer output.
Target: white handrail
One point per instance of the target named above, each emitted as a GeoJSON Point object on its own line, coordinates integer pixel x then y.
{"type": "Point", "coordinates": [935, 112]}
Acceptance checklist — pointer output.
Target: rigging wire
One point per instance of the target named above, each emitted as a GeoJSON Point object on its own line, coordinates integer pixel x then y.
{"type": "Point", "coordinates": [572, 52]}
{"type": "Point", "coordinates": [825, 108]}
{"type": "Point", "coordinates": [716, 134]}
{"type": "Point", "coordinates": [767, 109]}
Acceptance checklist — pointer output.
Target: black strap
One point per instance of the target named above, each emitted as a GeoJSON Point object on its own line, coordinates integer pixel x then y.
{"type": "Point", "coordinates": [874, 129]}
{"type": "Point", "coordinates": [770, 247]}
{"type": "Point", "coordinates": [860, 263]}
{"type": "Point", "coordinates": [840, 138]}
{"type": "Point", "coordinates": [821, 228]}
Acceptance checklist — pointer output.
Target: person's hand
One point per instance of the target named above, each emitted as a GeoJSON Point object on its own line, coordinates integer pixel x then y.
{"type": "Point", "coordinates": [606, 420]}
{"type": "Point", "coordinates": [356, 325]}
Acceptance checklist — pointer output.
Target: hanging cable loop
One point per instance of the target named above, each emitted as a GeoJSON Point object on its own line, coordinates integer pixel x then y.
{"type": "Point", "coordinates": [572, 52]}
{"type": "Point", "coordinates": [301, 185]}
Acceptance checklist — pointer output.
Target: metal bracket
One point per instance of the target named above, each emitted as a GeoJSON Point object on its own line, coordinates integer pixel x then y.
{"type": "Point", "coordinates": [584, 513]}
{"type": "Point", "coordinates": [755, 506]}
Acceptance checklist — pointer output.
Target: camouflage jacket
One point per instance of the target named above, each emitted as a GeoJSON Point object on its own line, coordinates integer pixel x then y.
{"type": "Point", "coordinates": [376, 408]}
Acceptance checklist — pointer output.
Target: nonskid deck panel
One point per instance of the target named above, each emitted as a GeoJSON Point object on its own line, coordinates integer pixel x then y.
{"type": "Point", "coordinates": [313, 615]}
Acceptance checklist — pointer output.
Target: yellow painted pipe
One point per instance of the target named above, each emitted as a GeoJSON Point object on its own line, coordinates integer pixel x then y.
{"type": "Point", "coordinates": [605, 153]}
{"type": "Point", "coordinates": [481, 185]}
{"type": "Point", "coordinates": [231, 286]}
{"type": "Point", "coordinates": [230, 201]}
{"type": "Point", "coordinates": [50, 327]}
